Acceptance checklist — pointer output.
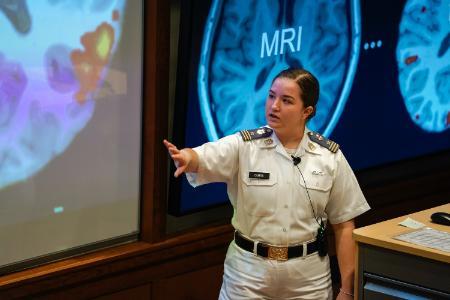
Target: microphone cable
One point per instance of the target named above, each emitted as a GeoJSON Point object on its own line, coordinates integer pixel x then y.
{"type": "Point", "coordinates": [309, 198]}
{"type": "Point", "coordinates": [320, 238]}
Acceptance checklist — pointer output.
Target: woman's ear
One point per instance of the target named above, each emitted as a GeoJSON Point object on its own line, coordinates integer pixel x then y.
{"type": "Point", "coordinates": [309, 112]}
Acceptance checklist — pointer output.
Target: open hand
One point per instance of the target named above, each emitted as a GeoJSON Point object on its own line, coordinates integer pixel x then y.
{"type": "Point", "coordinates": [180, 158]}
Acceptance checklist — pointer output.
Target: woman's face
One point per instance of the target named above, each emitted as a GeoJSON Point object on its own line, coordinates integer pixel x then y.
{"type": "Point", "coordinates": [284, 107]}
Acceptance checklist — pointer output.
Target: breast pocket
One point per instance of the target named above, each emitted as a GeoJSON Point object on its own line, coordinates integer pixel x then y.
{"type": "Point", "coordinates": [259, 195]}
{"type": "Point", "coordinates": [319, 187]}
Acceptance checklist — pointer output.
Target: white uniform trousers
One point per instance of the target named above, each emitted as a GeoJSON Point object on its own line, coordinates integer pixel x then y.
{"type": "Point", "coordinates": [247, 276]}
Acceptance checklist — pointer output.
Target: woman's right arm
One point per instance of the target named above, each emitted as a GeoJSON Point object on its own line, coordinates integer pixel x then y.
{"type": "Point", "coordinates": [211, 162]}
{"type": "Point", "coordinates": [186, 160]}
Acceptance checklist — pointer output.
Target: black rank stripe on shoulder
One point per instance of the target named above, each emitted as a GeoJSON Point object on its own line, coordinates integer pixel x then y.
{"type": "Point", "coordinates": [254, 134]}
{"type": "Point", "coordinates": [323, 141]}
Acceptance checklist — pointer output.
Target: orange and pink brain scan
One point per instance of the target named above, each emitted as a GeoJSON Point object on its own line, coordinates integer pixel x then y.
{"type": "Point", "coordinates": [54, 58]}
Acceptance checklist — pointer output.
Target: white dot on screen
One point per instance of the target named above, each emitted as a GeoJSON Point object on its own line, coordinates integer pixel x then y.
{"type": "Point", "coordinates": [379, 43]}
{"type": "Point", "coordinates": [58, 209]}
{"type": "Point", "coordinates": [372, 45]}
{"type": "Point", "coordinates": [366, 46]}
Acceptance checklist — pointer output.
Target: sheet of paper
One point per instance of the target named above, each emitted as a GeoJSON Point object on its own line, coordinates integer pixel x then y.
{"type": "Point", "coordinates": [427, 237]}
{"type": "Point", "coordinates": [411, 223]}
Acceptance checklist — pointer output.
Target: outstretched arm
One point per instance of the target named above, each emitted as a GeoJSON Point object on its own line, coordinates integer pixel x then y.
{"type": "Point", "coordinates": [345, 250]}
{"type": "Point", "coordinates": [186, 160]}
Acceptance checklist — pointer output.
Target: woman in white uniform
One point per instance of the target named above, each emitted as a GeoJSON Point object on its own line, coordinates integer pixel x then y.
{"type": "Point", "coordinates": [285, 183]}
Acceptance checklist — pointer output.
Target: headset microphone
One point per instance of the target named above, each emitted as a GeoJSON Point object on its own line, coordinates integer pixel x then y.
{"type": "Point", "coordinates": [296, 159]}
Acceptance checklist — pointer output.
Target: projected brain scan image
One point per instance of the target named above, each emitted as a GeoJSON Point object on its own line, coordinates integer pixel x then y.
{"type": "Point", "coordinates": [54, 57]}
{"type": "Point", "coordinates": [423, 59]}
{"type": "Point", "coordinates": [246, 43]}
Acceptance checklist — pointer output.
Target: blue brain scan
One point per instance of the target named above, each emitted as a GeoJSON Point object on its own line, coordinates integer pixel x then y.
{"type": "Point", "coordinates": [54, 56]}
{"type": "Point", "coordinates": [424, 63]}
{"type": "Point", "coordinates": [246, 43]}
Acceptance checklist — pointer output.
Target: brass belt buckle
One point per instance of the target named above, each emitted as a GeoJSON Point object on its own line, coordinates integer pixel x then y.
{"type": "Point", "coordinates": [278, 253]}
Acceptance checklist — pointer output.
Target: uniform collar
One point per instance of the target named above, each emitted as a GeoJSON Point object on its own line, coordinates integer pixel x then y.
{"type": "Point", "coordinates": [306, 145]}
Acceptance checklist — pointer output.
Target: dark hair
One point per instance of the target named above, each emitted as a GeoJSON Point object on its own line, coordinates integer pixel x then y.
{"type": "Point", "coordinates": [308, 84]}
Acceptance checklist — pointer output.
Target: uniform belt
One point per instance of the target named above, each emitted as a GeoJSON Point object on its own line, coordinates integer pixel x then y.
{"type": "Point", "coordinates": [274, 252]}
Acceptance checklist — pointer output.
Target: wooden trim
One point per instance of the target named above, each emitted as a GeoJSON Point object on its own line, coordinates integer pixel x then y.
{"type": "Point", "coordinates": [155, 112]}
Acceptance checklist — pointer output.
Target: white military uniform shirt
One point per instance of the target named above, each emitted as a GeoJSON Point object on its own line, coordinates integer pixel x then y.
{"type": "Point", "coordinates": [277, 210]}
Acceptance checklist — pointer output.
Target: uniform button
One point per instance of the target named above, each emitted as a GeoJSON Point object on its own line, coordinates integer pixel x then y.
{"type": "Point", "coordinates": [286, 206]}
{"type": "Point", "coordinates": [284, 229]}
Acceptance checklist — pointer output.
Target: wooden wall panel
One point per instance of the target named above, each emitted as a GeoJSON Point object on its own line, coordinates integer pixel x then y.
{"type": "Point", "coordinates": [121, 268]}
{"type": "Point", "coordinates": [142, 292]}
{"type": "Point", "coordinates": [397, 198]}
{"type": "Point", "coordinates": [203, 284]}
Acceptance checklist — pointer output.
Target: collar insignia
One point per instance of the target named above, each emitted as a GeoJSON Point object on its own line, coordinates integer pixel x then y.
{"type": "Point", "coordinates": [268, 142]}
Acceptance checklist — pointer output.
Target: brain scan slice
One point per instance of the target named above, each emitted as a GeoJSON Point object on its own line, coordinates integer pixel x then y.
{"type": "Point", "coordinates": [246, 44]}
{"type": "Point", "coordinates": [423, 62]}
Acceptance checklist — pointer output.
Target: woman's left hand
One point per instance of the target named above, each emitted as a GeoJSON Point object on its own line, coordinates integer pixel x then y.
{"type": "Point", "coordinates": [344, 296]}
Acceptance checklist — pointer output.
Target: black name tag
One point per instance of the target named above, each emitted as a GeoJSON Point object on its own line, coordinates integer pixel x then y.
{"type": "Point", "coordinates": [258, 175]}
